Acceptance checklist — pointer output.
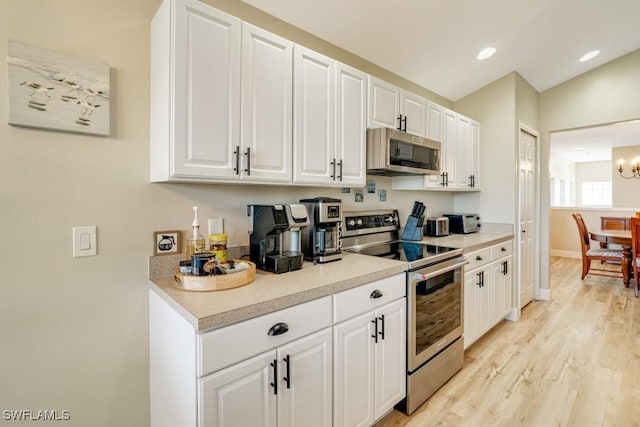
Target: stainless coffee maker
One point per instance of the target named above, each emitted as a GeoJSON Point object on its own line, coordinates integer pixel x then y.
{"type": "Point", "coordinates": [274, 236]}
{"type": "Point", "coordinates": [321, 240]}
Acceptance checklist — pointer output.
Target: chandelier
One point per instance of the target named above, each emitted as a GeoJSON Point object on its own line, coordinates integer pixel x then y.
{"type": "Point", "coordinates": [635, 169]}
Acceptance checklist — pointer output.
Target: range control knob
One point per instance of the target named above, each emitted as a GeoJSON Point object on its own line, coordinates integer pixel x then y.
{"type": "Point", "coordinates": [351, 222]}
{"type": "Point", "coordinates": [359, 221]}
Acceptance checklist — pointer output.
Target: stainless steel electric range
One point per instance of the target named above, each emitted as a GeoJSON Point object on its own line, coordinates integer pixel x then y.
{"type": "Point", "coordinates": [435, 283]}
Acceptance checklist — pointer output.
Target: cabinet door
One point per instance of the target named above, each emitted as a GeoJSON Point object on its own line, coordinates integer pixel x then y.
{"type": "Point", "coordinates": [474, 153]}
{"type": "Point", "coordinates": [485, 301]}
{"type": "Point", "coordinates": [304, 394]}
{"type": "Point", "coordinates": [471, 287]}
{"type": "Point", "coordinates": [435, 130]}
{"type": "Point", "coordinates": [267, 85]}
{"type": "Point", "coordinates": [353, 369]}
{"type": "Point", "coordinates": [384, 104]}
{"type": "Point", "coordinates": [435, 117]}
{"type": "Point", "coordinates": [313, 114]}
{"type": "Point", "coordinates": [463, 155]}
{"type": "Point", "coordinates": [414, 110]}
{"type": "Point", "coordinates": [351, 128]}
{"type": "Point", "coordinates": [240, 395]}
{"type": "Point", "coordinates": [449, 144]}
{"type": "Point", "coordinates": [206, 93]}
{"type": "Point", "coordinates": [502, 275]}
{"type": "Point", "coordinates": [390, 357]}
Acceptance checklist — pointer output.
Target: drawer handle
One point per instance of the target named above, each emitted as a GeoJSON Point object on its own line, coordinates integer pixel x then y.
{"type": "Point", "coordinates": [478, 258]}
{"type": "Point", "coordinates": [376, 294]}
{"type": "Point", "coordinates": [278, 329]}
{"type": "Point", "coordinates": [503, 249]}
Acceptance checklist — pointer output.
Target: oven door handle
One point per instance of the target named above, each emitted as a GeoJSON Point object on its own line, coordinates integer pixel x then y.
{"type": "Point", "coordinates": [438, 269]}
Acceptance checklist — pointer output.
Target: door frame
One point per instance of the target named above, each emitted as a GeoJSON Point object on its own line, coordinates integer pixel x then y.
{"type": "Point", "coordinates": [538, 293]}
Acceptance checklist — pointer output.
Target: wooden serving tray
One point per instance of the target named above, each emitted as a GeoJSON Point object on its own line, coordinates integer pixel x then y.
{"type": "Point", "coordinates": [219, 282]}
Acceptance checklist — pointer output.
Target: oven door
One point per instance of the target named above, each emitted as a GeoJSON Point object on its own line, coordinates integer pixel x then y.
{"type": "Point", "coordinates": [435, 309]}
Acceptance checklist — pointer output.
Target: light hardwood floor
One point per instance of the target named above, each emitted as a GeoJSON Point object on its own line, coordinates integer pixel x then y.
{"type": "Point", "coordinates": [570, 361]}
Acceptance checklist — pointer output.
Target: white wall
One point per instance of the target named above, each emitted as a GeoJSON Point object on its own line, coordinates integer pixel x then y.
{"type": "Point", "coordinates": [74, 331]}
{"type": "Point", "coordinates": [591, 171]}
{"type": "Point", "coordinates": [494, 107]}
{"type": "Point", "coordinates": [561, 169]}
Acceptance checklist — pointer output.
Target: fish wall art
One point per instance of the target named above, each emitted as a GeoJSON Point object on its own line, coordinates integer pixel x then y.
{"type": "Point", "coordinates": [54, 91]}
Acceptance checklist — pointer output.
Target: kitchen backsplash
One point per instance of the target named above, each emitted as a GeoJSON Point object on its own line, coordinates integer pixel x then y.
{"type": "Point", "coordinates": [230, 202]}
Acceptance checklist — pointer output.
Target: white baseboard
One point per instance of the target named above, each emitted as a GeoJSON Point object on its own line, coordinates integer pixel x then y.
{"type": "Point", "coordinates": [513, 315]}
{"type": "Point", "coordinates": [544, 294]}
{"type": "Point", "coordinates": [566, 254]}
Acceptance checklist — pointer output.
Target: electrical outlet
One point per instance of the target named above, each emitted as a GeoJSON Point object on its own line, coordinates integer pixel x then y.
{"type": "Point", "coordinates": [216, 225]}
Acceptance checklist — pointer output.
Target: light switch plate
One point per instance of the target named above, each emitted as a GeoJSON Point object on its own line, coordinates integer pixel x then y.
{"type": "Point", "coordinates": [84, 241]}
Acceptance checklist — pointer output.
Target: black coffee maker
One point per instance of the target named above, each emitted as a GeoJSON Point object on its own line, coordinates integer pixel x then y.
{"type": "Point", "coordinates": [274, 236]}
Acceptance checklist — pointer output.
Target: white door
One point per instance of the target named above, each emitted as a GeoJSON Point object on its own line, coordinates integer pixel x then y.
{"type": "Point", "coordinates": [414, 113]}
{"type": "Point", "coordinates": [463, 153]}
{"type": "Point", "coordinates": [267, 86]}
{"type": "Point", "coordinates": [313, 115]}
{"type": "Point", "coordinates": [474, 154]}
{"type": "Point", "coordinates": [435, 131]}
{"type": "Point", "coordinates": [351, 128]}
{"type": "Point", "coordinates": [390, 375]}
{"type": "Point", "coordinates": [384, 104]}
{"type": "Point", "coordinates": [353, 372]}
{"type": "Point", "coordinates": [207, 92]}
{"type": "Point", "coordinates": [485, 300]}
{"type": "Point", "coordinates": [304, 377]}
{"type": "Point", "coordinates": [240, 395]}
{"type": "Point", "coordinates": [526, 221]}
{"type": "Point", "coordinates": [449, 144]}
{"type": "Point", "coordinates": [471, 287]}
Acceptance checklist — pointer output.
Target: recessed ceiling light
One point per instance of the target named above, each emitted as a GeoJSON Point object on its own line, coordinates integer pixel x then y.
{"type": "Point", "coordinates": [589, 55]}
{"type": "Point", "coordinates": [485, 53]}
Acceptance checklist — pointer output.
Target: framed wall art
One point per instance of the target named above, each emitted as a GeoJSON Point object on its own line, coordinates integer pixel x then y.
{"type": "Point", "coordinates": [167, 242]}
{"type": "Point", "coordinates": [53, 91]}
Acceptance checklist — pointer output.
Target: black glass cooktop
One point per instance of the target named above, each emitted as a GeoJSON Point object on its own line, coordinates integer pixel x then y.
{"type": "Point", "coordinates": [414, 253]}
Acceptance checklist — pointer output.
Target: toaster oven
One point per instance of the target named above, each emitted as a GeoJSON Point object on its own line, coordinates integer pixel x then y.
{"type": "Point", "coordinates": [463, 223]}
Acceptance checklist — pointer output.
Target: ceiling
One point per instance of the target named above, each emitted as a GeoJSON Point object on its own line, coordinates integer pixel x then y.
{"type": "Point", "coordinates": [594, 143]}
{"type": "Point", "coordinates": [434, 43]}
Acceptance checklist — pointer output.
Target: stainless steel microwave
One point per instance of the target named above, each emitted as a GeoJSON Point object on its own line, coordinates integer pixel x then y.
{"type": "Point", "coordinates": [391, 152]}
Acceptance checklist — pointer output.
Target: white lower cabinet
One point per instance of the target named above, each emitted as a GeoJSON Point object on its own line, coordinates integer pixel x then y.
{"type": "Point", "coordinates": [289, 386]}
{"type": "Point", "coordinates": [337, 360]}
{"type": "Point", "coordinates": [488, 290]}
{"type": "Point", "coordinates": [370, 357]}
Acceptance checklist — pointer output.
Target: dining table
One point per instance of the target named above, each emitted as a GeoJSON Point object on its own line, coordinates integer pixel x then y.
{"type": "Point", "coordinates": [622, 238]}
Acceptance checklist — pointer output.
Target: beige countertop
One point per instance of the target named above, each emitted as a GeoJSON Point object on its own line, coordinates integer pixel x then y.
{"type": "Point", "coordinates": [271, 292]}
{"type": "Point", "coordinates": [470, 242]}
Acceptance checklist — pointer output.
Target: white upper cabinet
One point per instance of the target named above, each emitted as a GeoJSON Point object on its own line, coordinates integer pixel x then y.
{"type": "Point", "coordinates": [413, 111]}
{"type": "Point", "coordinates": [351, 125]}
{"type": "Point", "coordinates": [314, 114]}
{"type": "Point", "coordinates": [267, 97]}
{"type": "Point", "coordinates": [392, 107]}
{"type": "Point", "coordinates": [384, 104]}
{"type": "Point", "coordinates": [195, 92]}
{"type": "Point", "coordinates": [329, 121]}
{"type": "Point", "coordinates": [211, 77]}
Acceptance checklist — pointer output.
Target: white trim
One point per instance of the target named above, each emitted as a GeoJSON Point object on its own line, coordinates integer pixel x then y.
{"type": "Point", "coordinates": [545, 294]}
{"type": "Point", "coordinates": [566, 254]}
{"type": "Point", "coordinates": [513, 315]}
{"type": "Point", "coordinates": [522, 127]}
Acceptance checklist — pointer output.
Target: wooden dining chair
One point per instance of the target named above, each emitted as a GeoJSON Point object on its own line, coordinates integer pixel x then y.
{"type": "Point", "coordinates": [635, 252]}
{"type": "Point", "coordinates": [599, 254]}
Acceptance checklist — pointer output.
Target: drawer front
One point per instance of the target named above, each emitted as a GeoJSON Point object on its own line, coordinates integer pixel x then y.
{"type": "Point", "coordinates": [350, 303]}
{"type": "Point", "coordinates": [231, 344]}
{"type": "Point", "coordinates": [477, 259]}
{"type": "Point", "coordinates": [502, 250]}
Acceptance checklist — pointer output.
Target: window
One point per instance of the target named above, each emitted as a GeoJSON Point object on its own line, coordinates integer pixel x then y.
{"type": "Point", "coordinates": [596, 193]}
